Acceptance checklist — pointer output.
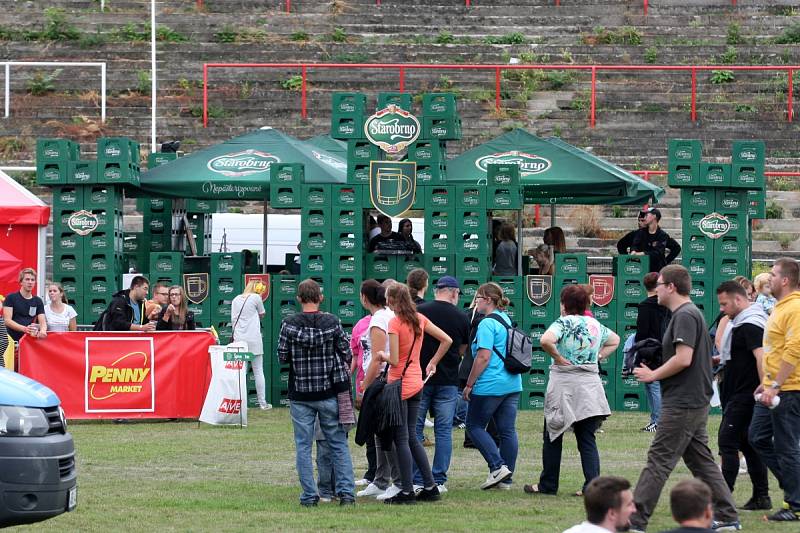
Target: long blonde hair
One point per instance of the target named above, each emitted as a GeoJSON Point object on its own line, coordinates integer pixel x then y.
{"type": "Point", "coordinates": [180, 316]}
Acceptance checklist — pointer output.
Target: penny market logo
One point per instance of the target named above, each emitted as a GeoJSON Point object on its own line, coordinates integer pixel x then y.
{"type": "Point", "coordinates": [714, 225]}
{"type": "Point", "coordinates": [119, 375]}
{"type": "Point", "coordinates": [83, 222]}
{"type": "Point", "coordinates": [528, 163]}
{"type": "Point", "coordinates": [242, 164]}
{"type": "Point", "coordinates": [392, 129]}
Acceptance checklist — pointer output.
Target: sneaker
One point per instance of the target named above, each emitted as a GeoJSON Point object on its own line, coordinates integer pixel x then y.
{"type": "Point", "coordinates": [496, 477]}
{"type": "Point", "coordinates": [503, 485]}
{"type": "Point", "coordinates": [391, 492]}
{"type": "Point", "coordinates": [757, 504]}
{"type": "Point", "coordinates": [371, 490]}
{"type": "Point", "coordinates": [743, 466]}
{"type": "Point", "coordinates": [401, 498]}
{"type": "Point", "coordinates": [309, 504]}
{"type": "Point", "coordinates": [325, 499]}
{"type": "Point", "coordinates": [363, 482]}
{"type": "Point", "coordinates": [461, 425]}
{"type": "Point", "coordinates": [650, 428]}
{"type": "Point", "coordinates": [418, 489]}
{"type": "Point", "coordinates": [428, 423]}
{"type": "Point", "coordinates": [785, 515]}
{"type": "Point", "coordinates": [344, 502]}
{"type": "Point", "coordinates": [442, 489]}
{"type": "Point", "coordinates": [726, 526]}
{"type": "Point", "coordinates": [265, 407]}
{"type": "Point", "coordinates": [429, 495]}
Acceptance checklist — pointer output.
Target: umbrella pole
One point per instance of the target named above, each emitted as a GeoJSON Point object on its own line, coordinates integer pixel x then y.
{"type": "Point", "coordinates": [519, 244]}
{"type": "Point", "coordinates": [264, 240]}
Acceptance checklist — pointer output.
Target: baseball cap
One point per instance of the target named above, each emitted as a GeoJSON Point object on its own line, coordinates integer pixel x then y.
{"type": "Point", "coordinates": [642, 214]}
{"type": "Point", "coordinates": [654, 211]}
{"type": "Point", "coordinates": [447, 282]}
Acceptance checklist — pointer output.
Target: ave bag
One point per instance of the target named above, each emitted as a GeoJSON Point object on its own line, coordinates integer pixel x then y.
{"type": "Point", "coordinates": [519, 348]}
{"type": "Point", "coordinates": [226, 399]}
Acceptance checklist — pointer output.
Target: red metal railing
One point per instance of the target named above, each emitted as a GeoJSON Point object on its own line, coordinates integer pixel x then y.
{"type": "Point", "coordinates": [645, 174]}
{"type": "Point", "coordinates": [498, 70]}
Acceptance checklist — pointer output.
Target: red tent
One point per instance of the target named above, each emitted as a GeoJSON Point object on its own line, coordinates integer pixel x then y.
{"type": "Point", "coordinates": [23, 227]}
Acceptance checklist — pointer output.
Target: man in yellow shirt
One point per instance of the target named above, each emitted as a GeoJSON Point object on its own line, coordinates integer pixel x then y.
{"type": "Point", "coordinates": [775, 430]}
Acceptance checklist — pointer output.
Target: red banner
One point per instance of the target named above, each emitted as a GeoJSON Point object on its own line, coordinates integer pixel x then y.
{"type": "Point", "coordinates": [163, 374]}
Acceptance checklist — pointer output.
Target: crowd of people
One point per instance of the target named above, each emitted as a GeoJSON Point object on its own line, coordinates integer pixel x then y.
{"type": "Point", "coordinates": [423, 346]}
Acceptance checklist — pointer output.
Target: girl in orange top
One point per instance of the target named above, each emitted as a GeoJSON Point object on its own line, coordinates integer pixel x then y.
{"type": "Point", "coordinates": [406, 330]}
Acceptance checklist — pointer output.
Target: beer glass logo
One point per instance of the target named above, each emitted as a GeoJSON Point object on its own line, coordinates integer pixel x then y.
{"type": "Point", "coordinates": [392, 129]}
{"type": "Point", "coordinates": [539, 289]}
{"type": "Point", "coordinates": [243, 163]}
{"type": "Point", "coordinates": [528, 163]}
{"type": "Point", "coordinates": [714, 225]}
{"type": "Point", "coordinates": [83, 222]}
{"type": "Point", "coordinates": [392, 186]}
{"type": "Point", "coordinates": [603, 286]}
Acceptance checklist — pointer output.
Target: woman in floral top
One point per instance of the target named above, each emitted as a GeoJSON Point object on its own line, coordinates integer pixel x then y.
{"type": "Point", "coordinates": [575, 396]}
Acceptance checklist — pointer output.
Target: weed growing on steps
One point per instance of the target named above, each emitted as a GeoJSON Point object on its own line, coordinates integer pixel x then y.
{"type": "Point", "coordinates": [790, 35]}
{"type": "Point", "coordinates": [651, 55]}
{"type": "Point", "coordinates": [11, 146]}
{"type": "Point", "coordinates": [41, 83]}
{"type": "Point", "coordinates": [734, 35]}
{"type": "Point", "coordinates": [292, 83]}
{"type": "Point", "coordinates": [721, 76]}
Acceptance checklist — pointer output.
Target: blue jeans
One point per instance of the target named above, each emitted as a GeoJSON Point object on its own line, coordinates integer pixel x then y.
{"type": "Point", "coordinates": [775, 435]}
{"type": "Point", "coordinates": [503, 410]}
{"type": "Point", "coordinates": [654, 400]}
{"type": "Point", "coordinates": [325, 473]}
{"type": "Point", "coordinates": [461, 409]}
{"type": "Point", "coordinates": [443, 399]}
{"type": "Point", "coordinates": [303, 416]}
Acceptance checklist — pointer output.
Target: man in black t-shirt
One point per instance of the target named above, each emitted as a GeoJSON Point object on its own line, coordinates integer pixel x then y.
{"type": "Point", "coordinates": [22, 311]}
{"type": "Point", "coordinates": [741, 354]}
{"type": "Point", "coordinates": [654, 242]}
{"type": "Point", "coordinates": [686, 391]}
{"type": "Point", "coordinates": [441, 389]}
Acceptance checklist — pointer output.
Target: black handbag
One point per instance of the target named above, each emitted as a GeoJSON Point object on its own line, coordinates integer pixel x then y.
{"type": "Point", "coordinates": [391, 397]}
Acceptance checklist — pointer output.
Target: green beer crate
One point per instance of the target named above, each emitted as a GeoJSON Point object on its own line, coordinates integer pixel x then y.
{"type": "Point", "coordinates": [362, 151]}
{"type": "Point", "coordinates": [380, 266]}
{"type": "Point", "coordinates": [531, 400]}
{"type": "Point", "coordinates": [702, 289]}
{"type": "Point", "coordinates": [684, 150]}
{"type": "Point", "coordinates": [691, 220]}
{"type": "Point", "coordinates": [117, 150]}
{"type": "Point", "coordinates": [106, 197]}
{"type": "Point", "coordinates": [202, 313]}
{"type": "Point", "coordinates": [317, 194]}
{"type": "Point", "coordinates": [284, 287]}
{"type": "Point", "coordinates": [559, 282]}
{"type": "Point", "coordinates": [348, 219]}
{"type": "Point", "coordinates": [513, 286]}
{"type": "Point", "coordinates": [346, 286]}
{"type": "Point", "coordinates": [347, 127]}
{"type": "Point", "coordinates": [535, 379]}
{"type": "Point", "coordinates": [401, 100]}
{"type": "Point", "coordinates": [315, 264]}
{"type": "Point", "coordinates": [151, 204]}
{"type": "Point", "coordinates": [93, 308]}
{"type": "Point", "coordinates": [535, 330]}
{"type": "Point", "coordinates": [56, 150]}
{"type": "Point", "coordinates": [631, 266]}
{"type": "Point", "coordinates": [347, 309]}
{"type": "Point", "coordinates": [444, 129]}
{"type": "Point", "coordinates": [731, 200]}
{"type": "Point", "coordinates": [628, 400]}
{"type": "Point", "coordinates": [102, 262]}
{"type": "Point", "coordinates": [170, 263]}
{"type": "Point", "coordinates": [696, 244]}
{"type": "Point", "coordinates": [221, 310]}
{"type": "Point", "coordinates": [699, 267]}
{"type": "Point", "coordinates": [283, 308]}
{"type": "Point", "coordinates": [631, 290]}
{"type": "Point", "coordinates": [756, 204]}
{"type": "Point", "coordinates": [502, 175]}
{"type": "Point", "coordinates": [748, 152]}
{"type": "Point", "coordinates": [570, 265]}
{"type": "Point", "coordinates": [82, 172]}
{"type": "Point", "coordinates": [606, 314]}
{"type": "Point", "coordinates": [471, 244]}
{"type": "Point", "coordinates": [286, 174]}
{"type": "Point", "coordinates": [440, 265]}
{"type": "Point", "coordinates": [100, 285]}
{"type": "Point", "coordinates": [715, 174]}
{"type": "Point", "coordinates": [117, 173]}
{"type": "Point", "coordinates": [206, 207]}
{"type": "Point", "coordinates": [699, 199]}
{"type": "Point", "coordinates": [344, 242]}
{"type": "Point", "coordinates": [540, 359]}
{"type": "Point", "coordinates": [514, 311]}
{"type": "Point", "coordinates": [348, 104]}
{"type": "Point", "coordinates": [157, 223]}
{"type": "Point", "coordinates": [731, 247]}
{"type": "Point", "coordinates": [225, 288]}
{"type": "Point", "coordinates": [61, 220]}
{"type": "Point", "coordinates": [67, 198]}
{"type": "Point", "coordinates": [315, 217]}
{"type": "Point", "coordinates": [474, 267]}
{"type": "Point", "coordinates": [285, 196]}
{"type": "Point", "coordinates": [316, 240]}
{"type": "Point", "coordinates": [52, 172]}
{"type": "Point", "coordinates": [729, 267]}
{"type": "Point", "coordinates": [440, 242]}
{"type": "Point", "coordinates": [470, 196]}
{"type": "Point", "coordinates": [407, 263]}
{"type": "Point", "coordinates": [683, 174]}
{"type": "Point", "coordinates": [748, 176]}
{"type": "Point", "coordinates": [472, 221]}
{"type": "Point", "coordinates": [627, 311]}
{"type": "Point", "coordinates": [347, 265]}
{"type": "Point", "coordinates": [160, 158]}
{"type": "Point", "coordinates": [103, 242]}
{"type": "Point", "coordinates": [500, 198]}
{"type": "Point", "coordinates": [441, 105]}
{"type": "Point", "coordinates": [440, 197]}
{"type": "Point", "coordinates": [469, 286]}
{"type": "Point", "coordinates": [347, 195]}
{"type": "Point", "coordinates": [73, 287]}
{"type": "Point", "coordinates": [430, 174]}
{"type": "Point", "coordinates": [538, 314]}
{"type": "Point", "coordinates": [68, 242]}
{"type": "Point", "coordinates": [441, 220]}
{"type": "Point", "coordinates": [428, 152]}
{"type": "Point", "coordinates": [358, 174]}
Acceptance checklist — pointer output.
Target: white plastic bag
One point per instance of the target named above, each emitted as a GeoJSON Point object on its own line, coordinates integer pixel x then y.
{"type": "Point", "coordinates": [226, 401]}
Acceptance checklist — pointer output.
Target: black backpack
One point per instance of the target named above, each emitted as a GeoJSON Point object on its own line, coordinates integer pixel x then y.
{"type": "Point", "coordinates": [519, 348]}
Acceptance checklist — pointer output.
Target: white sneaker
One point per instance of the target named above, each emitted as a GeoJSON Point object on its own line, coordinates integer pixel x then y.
{"type": "Point", "coordinates": [418, 489]}
{"type": "Point", "coordinates": [428, 423]}
{"type": "Point", "coordinates": [323, 499]}
{"type": "Point", "coordinates": [496, 477]}
{"type": "Point", "coordinates": [363, 482]}
{"type": "Point", "coordinates": [442, 489]}
{"type": "Point", "coordinates": [265, 406]}
{"type": "Point", "coordinates": [503, 486]}
{"type": "Point", "coordinates": [391, 492]}
{"type": "Point", "coordinates": [371, 490]}
{"type": "Point", "coordinates": [742, 465]}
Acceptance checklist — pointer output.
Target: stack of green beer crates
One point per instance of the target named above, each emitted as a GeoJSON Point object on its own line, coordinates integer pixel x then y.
{"type": "Point", "coordinates": [198, 215]}
{"type": "Point", "coordinates": [54, 159]}
{"type": "Point", "coordinates": [88, 266]}
{"type": "Point", "coordinates": [629, 272]}
{"type": "Point", "coordinates": [118, 161]}
{"type": "Point", "coordinates": [347, 115]}
{"type": "Point", "coordinates": [736, 193]}
{"type": "Point", "coordinates": [227, 282]}
{"type": "Point", "coordinates": [284, 304]}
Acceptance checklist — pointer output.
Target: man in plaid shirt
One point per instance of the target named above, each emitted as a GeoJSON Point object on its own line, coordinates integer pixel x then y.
{"type": "Point", "coordinates": [318, 351]}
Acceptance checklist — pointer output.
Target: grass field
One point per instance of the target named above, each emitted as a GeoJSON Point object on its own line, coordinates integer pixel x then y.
{"type": "Point", "coordinates": [174, 476]}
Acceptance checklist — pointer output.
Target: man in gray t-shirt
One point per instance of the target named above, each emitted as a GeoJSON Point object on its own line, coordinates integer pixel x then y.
{"type": "Point", "coordinates": [685, 390]}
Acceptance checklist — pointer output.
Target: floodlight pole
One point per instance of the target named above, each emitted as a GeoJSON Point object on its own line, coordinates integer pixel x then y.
{"type": "Point", "coordinates": [153, 84]}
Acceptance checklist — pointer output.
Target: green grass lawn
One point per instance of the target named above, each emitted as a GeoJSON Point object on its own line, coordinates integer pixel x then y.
{"type": "Point", "coordinates": [166, 476]}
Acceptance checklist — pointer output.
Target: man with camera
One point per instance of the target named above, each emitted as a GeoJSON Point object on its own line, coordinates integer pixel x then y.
{"type": "Point", "coordinates": [686, 391]}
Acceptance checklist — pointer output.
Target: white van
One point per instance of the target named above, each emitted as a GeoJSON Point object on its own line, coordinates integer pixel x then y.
{"type": "Point", "coordinates": [233, 232]}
